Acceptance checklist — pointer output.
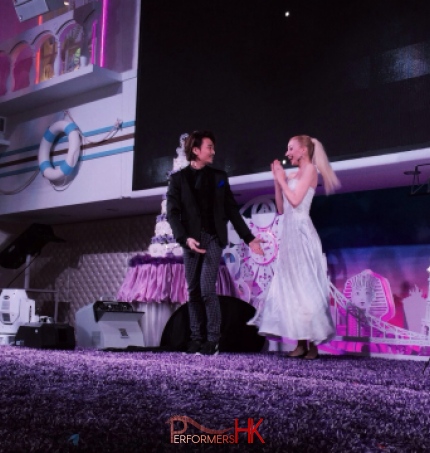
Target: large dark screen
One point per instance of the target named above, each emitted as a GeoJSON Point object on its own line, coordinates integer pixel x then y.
{"type": "Point", "coordinates": [353, 73]}
{"type": "Point", "coordinates": [371, 218]}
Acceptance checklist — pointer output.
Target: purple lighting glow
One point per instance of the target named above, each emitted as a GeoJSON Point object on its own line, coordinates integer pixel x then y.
{"type": "Point", "coordinates": [348, 404]}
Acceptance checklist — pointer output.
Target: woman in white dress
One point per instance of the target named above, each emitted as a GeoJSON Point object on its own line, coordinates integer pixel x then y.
{"type": "Point", "coordinates": [296, 305]}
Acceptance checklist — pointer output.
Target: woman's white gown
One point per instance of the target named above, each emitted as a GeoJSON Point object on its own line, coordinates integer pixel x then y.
{"type": "Point", "coordinates": [296, 304]}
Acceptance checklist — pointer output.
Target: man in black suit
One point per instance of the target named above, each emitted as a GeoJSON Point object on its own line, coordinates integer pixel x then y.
{"type": "Point", "coordinates": [199, 205]}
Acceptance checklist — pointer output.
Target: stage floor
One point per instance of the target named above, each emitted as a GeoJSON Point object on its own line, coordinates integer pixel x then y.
{"type": "Point", "coordinates": [88, 400]}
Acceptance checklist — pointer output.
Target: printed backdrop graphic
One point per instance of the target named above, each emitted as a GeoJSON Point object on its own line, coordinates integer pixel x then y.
{"type": "Point", "coordinates": [380, 299]}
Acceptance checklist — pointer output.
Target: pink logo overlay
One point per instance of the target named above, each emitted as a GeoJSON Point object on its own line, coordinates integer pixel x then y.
{"type": "Point", "coordinates": [179, 427]}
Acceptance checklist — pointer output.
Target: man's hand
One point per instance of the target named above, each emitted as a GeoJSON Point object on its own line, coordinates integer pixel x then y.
{"type": "Point", "coordinates": [256, 247]}
{"type": "Point", "coordinates": [193, 245]}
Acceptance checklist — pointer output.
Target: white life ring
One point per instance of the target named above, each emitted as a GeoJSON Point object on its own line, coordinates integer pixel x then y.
{"type": "Point", "coordinates": [66, 167]}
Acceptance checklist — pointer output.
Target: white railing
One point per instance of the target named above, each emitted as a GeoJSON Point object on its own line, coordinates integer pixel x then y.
{"type": "Point", "coordinates": [380, 331]}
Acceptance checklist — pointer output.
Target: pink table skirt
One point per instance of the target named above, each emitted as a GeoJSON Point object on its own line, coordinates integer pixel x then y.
{"type": "Point", "coordinates": [151, 279]}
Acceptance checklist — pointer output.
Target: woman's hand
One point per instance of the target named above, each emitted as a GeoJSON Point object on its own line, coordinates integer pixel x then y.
{"type": "Point", "coordinates": [273, 171]}
{"type": "Point", "coordinates": [278, 171]}
{"type": "Point", "coordinates": [278, 189]}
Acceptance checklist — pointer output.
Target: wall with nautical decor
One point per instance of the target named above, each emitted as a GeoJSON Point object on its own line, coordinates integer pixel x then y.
{"type": "Point", "coordinates": [67, 103]}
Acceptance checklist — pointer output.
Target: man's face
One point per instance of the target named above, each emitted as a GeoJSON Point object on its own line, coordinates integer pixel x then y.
{"type": "Point", "coordinates": [205, 154]}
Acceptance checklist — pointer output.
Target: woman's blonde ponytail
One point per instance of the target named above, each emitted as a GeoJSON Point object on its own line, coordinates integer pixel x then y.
{"type": "Point", "coordinates": [331, 182]}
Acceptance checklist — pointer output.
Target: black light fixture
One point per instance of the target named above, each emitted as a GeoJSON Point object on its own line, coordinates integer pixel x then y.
{"type": "Point", "coordinates": [418, 188]}
{"type": "Point", "coordinates": [30, 242]}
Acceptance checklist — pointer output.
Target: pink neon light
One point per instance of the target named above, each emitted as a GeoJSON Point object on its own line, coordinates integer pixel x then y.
{"type": "Point", "coordinates": [93, 43]}
{"type": "Point", "coordinates": [39, 22]}
{"type": "Point", "coordinates": [103, 33]}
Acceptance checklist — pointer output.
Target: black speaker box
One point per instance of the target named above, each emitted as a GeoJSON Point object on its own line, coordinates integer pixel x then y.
{"type": "Point", "coordinates": [236, 335]}
{"type": "Point", "coordinates": [43, 335]}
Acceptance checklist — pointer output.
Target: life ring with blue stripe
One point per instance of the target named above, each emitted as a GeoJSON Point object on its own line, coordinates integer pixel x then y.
{"type": "Point", "coordinates": [47, 168]}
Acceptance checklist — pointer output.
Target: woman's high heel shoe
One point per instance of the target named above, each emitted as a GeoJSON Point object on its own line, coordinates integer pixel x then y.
{"type": "Point", "coordinates": [311, 355]}
{"type": "Point", "coordinates": [298, 353]}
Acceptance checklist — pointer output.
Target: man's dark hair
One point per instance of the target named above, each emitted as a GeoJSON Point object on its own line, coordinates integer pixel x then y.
{"type": "Point", "coordinates": [195, 141]}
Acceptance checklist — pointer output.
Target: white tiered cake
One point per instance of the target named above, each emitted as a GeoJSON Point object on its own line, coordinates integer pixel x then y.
{"type": "Point", "coordinates": [163, 243]}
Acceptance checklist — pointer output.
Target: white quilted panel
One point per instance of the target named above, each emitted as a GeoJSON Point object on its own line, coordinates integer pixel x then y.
{"type": "Point", "coordinates": [141, 231]}
{"type": "Point", "coordinates": [49, 272]}
{"type": "Point", "coordinates": [91, 263]}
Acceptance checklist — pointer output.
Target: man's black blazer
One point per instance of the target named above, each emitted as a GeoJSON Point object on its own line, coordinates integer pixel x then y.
{"type": "Point", "coordinates": [183, 212]}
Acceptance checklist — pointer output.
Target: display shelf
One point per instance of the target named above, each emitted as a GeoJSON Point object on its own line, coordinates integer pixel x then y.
{"type": "Point", "coordinates": [64, 86]}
